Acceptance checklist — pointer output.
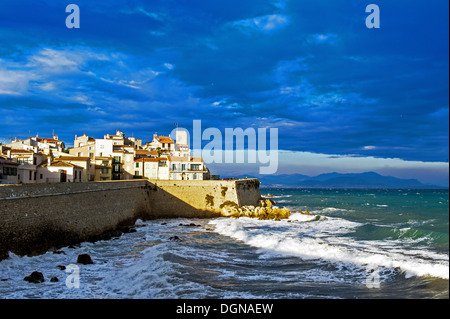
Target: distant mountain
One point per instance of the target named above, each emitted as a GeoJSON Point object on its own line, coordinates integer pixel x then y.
{"type": "Point", "coordinates": [337, 180]}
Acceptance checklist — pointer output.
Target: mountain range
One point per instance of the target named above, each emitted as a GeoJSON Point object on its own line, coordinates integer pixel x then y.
{"type": "Point", "coordinates": [337, 180]}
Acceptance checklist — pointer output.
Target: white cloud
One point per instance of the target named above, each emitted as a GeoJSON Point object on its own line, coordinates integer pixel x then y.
{"type": "Point", "coordinates": [140, 10]}
{"type": "Point", "coordinates": [169, 66]}
{"type": "Point", "coordinates": [312, 164]}
{"type": "Point", "coordinates": [265, 23]}
{"type": "Point", "coordinates": [15, 82]}
{"type": "Point", "coordinates": [323, 38]}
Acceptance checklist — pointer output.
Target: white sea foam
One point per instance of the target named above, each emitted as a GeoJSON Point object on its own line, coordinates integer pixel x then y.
{"type": "Point", "coordinates": [312, 238]}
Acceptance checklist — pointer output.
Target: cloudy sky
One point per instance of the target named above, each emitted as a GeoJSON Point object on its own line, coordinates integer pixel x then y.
{"type": "Point", "coordinates": [343, 97]}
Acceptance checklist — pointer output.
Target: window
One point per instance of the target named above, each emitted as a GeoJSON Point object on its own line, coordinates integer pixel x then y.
{"type": "Point", "coordinates": [195, 167]}
{"type": "Point", "coordinates": [11, 171]}
{"type": "Point", "coordinates": [162, 164]}
{"type": "Point", "coordinates": [41, 176]}
{"type": "Point", "coordinates": [137, 165]}
{"type": "Point", "coordinates": [104, 170]}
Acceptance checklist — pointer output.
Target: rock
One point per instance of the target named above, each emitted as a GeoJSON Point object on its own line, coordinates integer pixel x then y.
{"type": "Point", "coordinates": [58, 252]}
{"type": "Point", "coordinates": [266, 202]}
{"type": "Point", "coordinates": [126, 230]}
{"type": "Point", "coordinates": [54, 279]}
{"type": "Point", "coordinates": [61, 267]}
{"type": "Point", "coordinates": [35, 277]}
{"type": "Point", "coordinates": [189, 225]}
{"type": "Point", "coordinates": [175, 238]}
{"type": "Point", "coordinates": [230, 211]}
{"type": "Point", "coordinates": [84, 259]}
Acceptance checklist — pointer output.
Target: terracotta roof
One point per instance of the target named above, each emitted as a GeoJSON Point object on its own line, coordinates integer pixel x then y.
{"type": "Point", "coordinates": [196, 159]}
{"type": "Point", "coordinates": [74, 158]}
{"type": "Point", "coordinates": [164, 139]}
{"type": "Point", "coordinates": [20, 152]}
{"type": "Point", "coordinates": [59, 164]}
{"type": "Point", "coordinates": [42, 139]}
{"type": "Point", "coordinates": [7, 161]}
{"type": "Point", "coordinates": [142, 159]}
{"type": "Point", "coordinates": [185, 159]}
{"type": "Point", "coordinates": [147, 152]}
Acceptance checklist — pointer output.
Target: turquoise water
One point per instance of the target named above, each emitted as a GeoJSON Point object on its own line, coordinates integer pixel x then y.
{"type": "Point", "coordinates": [420, 215]}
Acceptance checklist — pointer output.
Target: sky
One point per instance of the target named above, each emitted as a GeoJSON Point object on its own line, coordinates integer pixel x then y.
{"type": "Point", "coordinates": [344, 97]}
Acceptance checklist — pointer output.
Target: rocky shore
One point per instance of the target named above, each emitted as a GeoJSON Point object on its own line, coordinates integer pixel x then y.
{"type": "Point", "coordinates": [266, 209]}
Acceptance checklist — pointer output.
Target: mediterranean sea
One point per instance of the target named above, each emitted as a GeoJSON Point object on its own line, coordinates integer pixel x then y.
{"type": "Point", "coordinates": [361, 243]}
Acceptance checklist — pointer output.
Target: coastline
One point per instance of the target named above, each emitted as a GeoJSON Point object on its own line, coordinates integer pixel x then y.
{"type": "Point", "coordinates": [39, 217]}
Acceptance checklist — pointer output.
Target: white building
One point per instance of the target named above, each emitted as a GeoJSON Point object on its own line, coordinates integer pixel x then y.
{"type": "Point", "coordinates": [163, 144]}
{"type": "Point", "coordinates": [59, 172]}
{"type": "Point", "coordinates": [187, 168]}
{"type": "Point", "coordinates": [39, 144]}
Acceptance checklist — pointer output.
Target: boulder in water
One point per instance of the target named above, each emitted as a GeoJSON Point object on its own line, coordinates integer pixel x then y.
{"type": "Point", "coordinates": [35, 277]}
{"type": "Point", "coordinates": [84, 259]}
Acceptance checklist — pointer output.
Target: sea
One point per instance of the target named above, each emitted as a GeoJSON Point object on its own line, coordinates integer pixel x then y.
{"type": "Point", "coordinates": [354, 244]}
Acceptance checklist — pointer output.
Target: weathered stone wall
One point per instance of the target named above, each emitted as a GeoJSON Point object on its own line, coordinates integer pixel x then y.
{"type": "Point", "coordinates": [36, 217]}
{"type": "Point", "coordinates": [201, 198]}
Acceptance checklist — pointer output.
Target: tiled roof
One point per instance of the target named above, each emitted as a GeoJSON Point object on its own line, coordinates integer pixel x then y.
{"type": "Point", "coordinates": [74, 158]}
{"type": "Point", "coordinates": [21, 152]}
{"type": "Point", "coordinates": [7, 161]}
{"type": "Point", "coordinates": [142, 159]}
{"type": "Point", "coordinates": [59, 164]}
{"type": "Point", "coordinates": [64, 164]}
{"type": "Point", "coordinates": [43, 139]}
{"type": "Point", "coordinates": [164, 139]}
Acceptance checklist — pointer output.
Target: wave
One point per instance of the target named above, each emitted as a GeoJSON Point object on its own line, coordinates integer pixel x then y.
{"type": "Point", "coordinates": [312, 238]}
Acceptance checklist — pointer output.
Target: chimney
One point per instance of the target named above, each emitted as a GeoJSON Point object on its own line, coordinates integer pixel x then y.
{"type": "Point", "coordinates": [49, 160]}
{"type": "Point", "coordinates": [8, 153]}
{"type": "Point", "coordinates": [55, 137]}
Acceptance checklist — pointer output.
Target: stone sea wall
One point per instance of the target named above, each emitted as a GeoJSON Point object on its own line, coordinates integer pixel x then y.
{"type": "Point", "coordinates": [38, 217]}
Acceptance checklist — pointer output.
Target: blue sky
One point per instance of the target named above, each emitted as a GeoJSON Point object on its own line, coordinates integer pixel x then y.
{"type": "Point", "coordinates": [312, 69]}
